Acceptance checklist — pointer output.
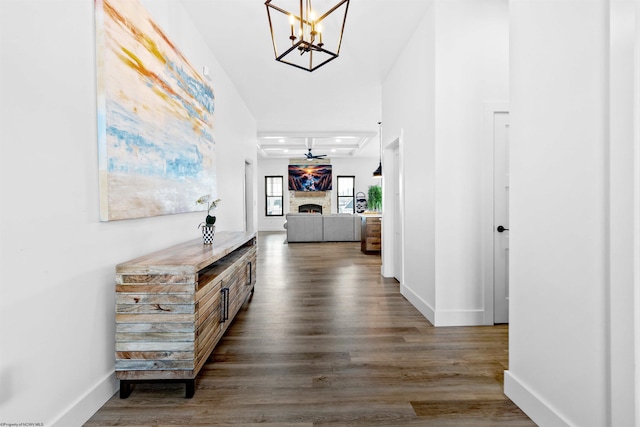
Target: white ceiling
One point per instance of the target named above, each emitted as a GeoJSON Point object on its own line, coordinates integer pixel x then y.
{"type": "Point", "coordinates": [336, 107]}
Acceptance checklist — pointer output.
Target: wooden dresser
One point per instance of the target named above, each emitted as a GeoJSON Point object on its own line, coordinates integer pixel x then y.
{"type": "Point", "coordinates": [371, 233]}
{"type": "Point", "coordinates": [174, 305]}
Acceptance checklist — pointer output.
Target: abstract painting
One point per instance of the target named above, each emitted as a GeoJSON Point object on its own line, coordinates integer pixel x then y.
{"type": "Point", "coordinates": [155, 118]}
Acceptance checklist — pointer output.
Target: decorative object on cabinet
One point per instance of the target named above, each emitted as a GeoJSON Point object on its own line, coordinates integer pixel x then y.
{"type": "Point", "coordinates": [156, 151]}
{"type": "Point", "coordinates": [361, 202]}
{"type": "Point", "coordinates": [207, 234]}
{"type": "Point", "coordinates": [208, 226]}
{"type": "Point", "coordinates": [174, 305]}
{"type": "Point", "coordinates": [375, 198]}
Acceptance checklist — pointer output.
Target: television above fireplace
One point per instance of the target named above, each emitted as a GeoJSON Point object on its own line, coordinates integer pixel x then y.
{"type": "Point", "coordinates": [310, 177]}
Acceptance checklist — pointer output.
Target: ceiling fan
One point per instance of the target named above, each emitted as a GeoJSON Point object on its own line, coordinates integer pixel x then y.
{"type": "Point", "coordinates": [310, 156]}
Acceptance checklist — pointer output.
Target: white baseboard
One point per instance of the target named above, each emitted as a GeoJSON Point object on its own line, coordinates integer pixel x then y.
{"type": "Point", "coordinates": [531, 404]}
{"type": "Point", "coordinates": [88, 404]}
{"type": "Point", "coordinates": [422, 306]}
{"type": "Point", "coordinates": [460, 318]}
{"type": "Point", "coordinates": [443, 318]}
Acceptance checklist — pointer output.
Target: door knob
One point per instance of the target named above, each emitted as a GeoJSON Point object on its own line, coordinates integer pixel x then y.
{"type": "Point", "coordinates": [501, 229]}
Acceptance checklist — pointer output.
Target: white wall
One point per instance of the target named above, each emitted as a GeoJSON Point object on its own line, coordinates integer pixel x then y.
{"type": "Point", "coordinates": [456, 62]}
{"type": "Point", "coordinates": [408, 105]}
{"type": "Point", "coordinates": [625, 187]}
{"type": "Point", "coordinates": [362, 168]}
{"type": "Point", "coordinates": [472, 68]}
{"type": "Point", "coordinates": [57, 259]}
{"type": "Point", "coordinates": [271, 167]}
{"type": "Point", "coordinates": [565, 286]}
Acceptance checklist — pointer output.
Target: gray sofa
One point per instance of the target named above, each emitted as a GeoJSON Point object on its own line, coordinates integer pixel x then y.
{"type": "Point", "coordinates": [306, 227]}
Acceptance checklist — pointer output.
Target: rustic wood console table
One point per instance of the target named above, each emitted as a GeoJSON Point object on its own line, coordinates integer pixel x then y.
{"type": "Point", "coordinates": [174, 305]}
{"type": "Point", "coordinates": [371, 233]}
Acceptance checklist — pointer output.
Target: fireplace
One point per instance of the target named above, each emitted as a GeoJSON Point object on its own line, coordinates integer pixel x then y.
{"type": "Point", "coordinates": [310, 208]}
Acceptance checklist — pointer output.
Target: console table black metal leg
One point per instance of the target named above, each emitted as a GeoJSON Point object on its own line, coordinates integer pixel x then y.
{"type": "Point", "coordinates": [125, 389]}
{"type": "Point", "coordinates": [190, 388]}
{"type": "Point", "coordinates": [127, 385]}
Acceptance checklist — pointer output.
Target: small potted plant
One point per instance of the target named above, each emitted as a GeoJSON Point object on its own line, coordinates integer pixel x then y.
{"type": "Point", "coordinates": [208, 225]}
{"type": "Point", "coordinates": [375, 198]}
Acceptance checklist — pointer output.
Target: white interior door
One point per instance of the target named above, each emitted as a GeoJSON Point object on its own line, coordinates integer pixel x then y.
{"type": "Point", "coordinates": [397, 227]}
{"type": "Point", "coordinates": [501, 218]}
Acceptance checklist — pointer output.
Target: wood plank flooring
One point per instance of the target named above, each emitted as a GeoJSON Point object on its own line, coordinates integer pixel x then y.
{"type": "Point", "coordinates": [326, 341]}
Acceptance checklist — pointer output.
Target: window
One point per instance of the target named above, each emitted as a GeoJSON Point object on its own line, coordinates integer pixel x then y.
{"type": "Point", "coordinates": [346, 194]}
{"type": "Point", "coordinates": [273, 191]}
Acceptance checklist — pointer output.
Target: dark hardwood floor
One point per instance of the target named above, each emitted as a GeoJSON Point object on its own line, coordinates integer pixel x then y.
{"type": "Point", "coordinates": [326, 341]}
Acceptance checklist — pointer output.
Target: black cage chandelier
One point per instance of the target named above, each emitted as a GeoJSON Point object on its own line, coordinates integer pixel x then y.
{"type": "Point", "coordinates": [304, 37]}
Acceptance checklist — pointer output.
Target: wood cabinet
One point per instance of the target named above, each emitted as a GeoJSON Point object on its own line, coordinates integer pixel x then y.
{"type": "Point", "coordinates": [174, 305]}
{"type": "Point", "coordinates": [371, 233]}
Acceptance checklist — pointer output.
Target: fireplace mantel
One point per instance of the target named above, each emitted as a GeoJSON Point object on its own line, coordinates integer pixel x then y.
{"type": "Point", "coordinates": [310, 193]}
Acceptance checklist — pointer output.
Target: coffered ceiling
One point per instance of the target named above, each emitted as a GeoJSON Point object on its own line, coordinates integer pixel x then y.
{"type": "Point", "coordinates": [334, 110]}
{"type": "Point", "coordinates": [296, 144]}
